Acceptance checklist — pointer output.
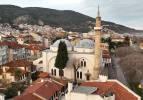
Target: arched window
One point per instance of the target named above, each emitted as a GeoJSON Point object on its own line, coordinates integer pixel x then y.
{"type": "Point", "coordinates": [52, 71]}
{"type": "Point", "coordinates": [55, 72]}
{"type": "Point", "coordinates": [77, 74]}
{"type": "Point", "coordinates": [83, 63]}
{"type": "Point", "coordinates": [80, 75]}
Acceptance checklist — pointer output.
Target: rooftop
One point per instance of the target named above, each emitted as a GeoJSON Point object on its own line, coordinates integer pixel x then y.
{"type": "Point", "coordinates": [41, 88]}
{"type": "Point", "coordinates": [13, 45]}
{"type": "Point", "coordinates": [121, 92]}
{"type": "Point", "coordinates": [85, 89]}
{"type": "Point", "coordinates": [85, 43]}
{"type": "Point", "coordinates": [56, 44]}
{"type": "Point", "coordinates": [19, 63]}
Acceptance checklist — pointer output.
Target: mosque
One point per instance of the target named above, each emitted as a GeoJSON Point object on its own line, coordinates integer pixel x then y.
{"type": "Point", "coordinates": [88, 53]}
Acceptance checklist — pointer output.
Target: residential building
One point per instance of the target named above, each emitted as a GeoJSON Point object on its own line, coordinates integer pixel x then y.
{"type": "Point", "coordinates": [44, 89]}
{"type": "Point", "coordinates": [3, 53]}
{"type": "Point", "coordinates": [16, 51]}
{"type": "Point", "coordinates": [8, 70]}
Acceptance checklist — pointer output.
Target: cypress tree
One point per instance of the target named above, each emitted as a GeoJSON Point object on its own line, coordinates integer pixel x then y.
{"type": "Point", "coordinates": [62, 57]}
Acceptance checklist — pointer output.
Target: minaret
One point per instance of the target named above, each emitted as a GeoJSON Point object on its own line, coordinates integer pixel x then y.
{"type": "Point", "coordinates": [97, 58]}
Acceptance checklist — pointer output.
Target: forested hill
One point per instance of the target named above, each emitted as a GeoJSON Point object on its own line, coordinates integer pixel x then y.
{"type": "Point", "coordinates": [67, 19]}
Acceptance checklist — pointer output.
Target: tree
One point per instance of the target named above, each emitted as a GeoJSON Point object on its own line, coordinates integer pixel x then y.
{"type": "Point", "coordinates": [124, 51]}
{"type": "Point", "coordinates": [75, 67]}
{"type": "Point", "coordinates": [13, 89]}
{"type": "Point", "coordinates": [127, 41]}
{"type": "Point", "coordinates": [110, 43]}
{"type": "Point", "coordinates": [132, 66]}
{"type": "Point", "coordinates": [10, 92]}
{"type": "Point", "coordinates": [18, 73]}
{"type": "Point", "coordinates": [34, 76]}
{"type": "Point", "coordinates": [62, 57]}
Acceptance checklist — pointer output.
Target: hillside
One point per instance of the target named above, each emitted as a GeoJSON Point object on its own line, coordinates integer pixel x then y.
{"type": "Point", "coordinates": [68, 20]}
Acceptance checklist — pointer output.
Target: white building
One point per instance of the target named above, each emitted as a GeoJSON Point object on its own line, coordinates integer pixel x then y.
{"type": "Point", "coordinates": [3, 54]}
{"type": "Point", "coordinates": [86, 52]}
{"type": "Point", "coordinates": [83, 51]}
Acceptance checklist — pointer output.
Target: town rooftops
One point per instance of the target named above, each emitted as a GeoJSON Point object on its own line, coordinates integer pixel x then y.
{"type": "Point", "coordinates": [112, 86]}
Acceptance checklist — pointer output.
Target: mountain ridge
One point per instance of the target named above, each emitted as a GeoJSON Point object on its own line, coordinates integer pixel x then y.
{"type": "Point", "coordinates": [67, 19]}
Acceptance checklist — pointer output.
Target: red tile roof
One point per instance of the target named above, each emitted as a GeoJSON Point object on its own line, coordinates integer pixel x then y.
{"type": "Point", "coordinates": [44, 75]}
{"type": "Point", "coordinates": [106, 56]}
{"type": "Point", "coordinates": [35, 47]}
{"type": "Point", "coordinates": [19, 63]}
{"type": "Point", "coordinates": [12, 70]}
{"type": "Point", "coordinates": [105, 52]}
{"type": "Point", "coordinates": [34, 42]}
{"type": "Point", "coordinates": [45, 89]}
{"type": "Point", "coordinates": [29, 96]}
{"type": "Point", "coordinates": [1, 71]}
{"type": "Point", "coordinates": [121, 93]}
{"type": "Point", "coordinates": [13, 45]}
{"type": "Point", "coordinates": [25, 36]}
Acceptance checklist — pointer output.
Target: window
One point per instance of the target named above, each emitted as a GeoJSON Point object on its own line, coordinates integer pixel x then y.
{"type": "Point", "coordinates": [83, 63]}
{"type": "Point", "coordinates": [55, 72]}
{"type": "Point", "coordinates": [52, 71]}
{"type": "Point", "coordinates": [77, 74]}
{"type": "Point", "coordinates": [80, 75]}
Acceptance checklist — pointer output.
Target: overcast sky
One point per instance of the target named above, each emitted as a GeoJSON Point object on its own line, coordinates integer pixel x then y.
{"type": "Point", "coordinates": [126, 12]}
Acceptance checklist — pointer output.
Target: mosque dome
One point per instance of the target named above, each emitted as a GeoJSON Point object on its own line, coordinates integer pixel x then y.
{"type": "Point", "coordinates": [55, 45]}
{"type": "Point", "coordinates": [85, 45]}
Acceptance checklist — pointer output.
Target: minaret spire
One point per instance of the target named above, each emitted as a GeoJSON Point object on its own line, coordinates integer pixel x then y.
{"type": "Point", "coordinates": [97, 52]}
{"type": "Point", "coordinates": [98, 13]}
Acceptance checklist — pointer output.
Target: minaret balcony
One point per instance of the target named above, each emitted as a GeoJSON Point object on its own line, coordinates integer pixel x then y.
{"type": "Point", "coordinates": [97, 28]}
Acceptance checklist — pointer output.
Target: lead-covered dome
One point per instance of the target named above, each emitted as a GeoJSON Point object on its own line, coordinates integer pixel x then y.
{"type": "Point", "coordinates": [55, 45]}
{"type": "Point", "coordinates": [85, 45]}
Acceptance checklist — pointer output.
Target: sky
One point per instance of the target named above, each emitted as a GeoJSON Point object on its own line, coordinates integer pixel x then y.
{"type": "Point", "coordinates": [125, 12]}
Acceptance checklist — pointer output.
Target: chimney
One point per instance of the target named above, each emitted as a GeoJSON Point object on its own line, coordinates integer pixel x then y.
{"type": "Point", "coordinates": [3, 68]}
{"type": "Point", "coordinates": [18, 93]}
{"type": "Point", "coordinates": [2, 96]}
{"type": "Point", "coordinates": [70, 87]}
{"type": "Point", "coordinates": [31, 81]}
{"type": "Point", "coordinates": [103, 78]}
{"type": "Point", "coordinates": [42, 80]}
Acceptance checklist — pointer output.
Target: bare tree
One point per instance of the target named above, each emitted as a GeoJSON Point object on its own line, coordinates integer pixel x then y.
{"type": "Point", "coordinates": [76, 66]}
{"type": "Point", "coordinates": [132, 66]}
{"type": "Point", "coordinates": [124, 51]}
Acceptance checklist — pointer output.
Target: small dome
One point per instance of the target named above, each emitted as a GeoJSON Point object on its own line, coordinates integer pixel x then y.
{"type": "Point", "coordinates": [55, 46]}
{"type": "Point", "coordinates": [85, 43]}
